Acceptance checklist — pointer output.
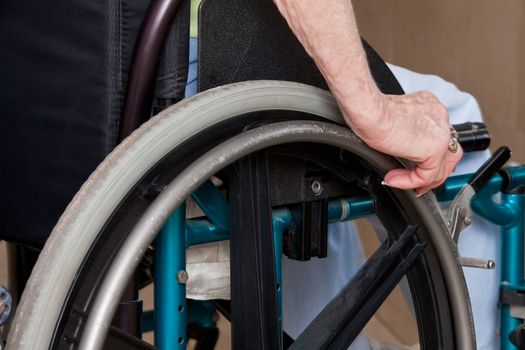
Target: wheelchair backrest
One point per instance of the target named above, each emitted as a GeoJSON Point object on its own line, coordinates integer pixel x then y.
{"type": "Point", "coordinates": [64, 69]}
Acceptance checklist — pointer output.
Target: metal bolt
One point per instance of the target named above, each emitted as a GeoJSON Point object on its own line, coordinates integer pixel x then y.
{"type": "Point", "coordinates": [478, 263]}
{"type": "Point", "coordinates": [317, 188]}
{"type": "Point", "coordinates": [182, 277]}
{"type": "Point", "coordinates": [467, 220]}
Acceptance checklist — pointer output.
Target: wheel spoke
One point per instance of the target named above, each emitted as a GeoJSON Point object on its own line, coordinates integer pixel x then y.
{"type": "Point", "coordinates": [347, 313]}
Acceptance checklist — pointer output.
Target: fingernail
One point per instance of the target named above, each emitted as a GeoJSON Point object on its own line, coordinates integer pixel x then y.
{"type": "Point", "coordinates": [419, 194]}
{"type": "Point", "coordinates": [384, 183]}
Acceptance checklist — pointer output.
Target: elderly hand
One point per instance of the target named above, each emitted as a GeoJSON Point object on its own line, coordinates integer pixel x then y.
{"type": "Point", "coordinates": [414, 127]}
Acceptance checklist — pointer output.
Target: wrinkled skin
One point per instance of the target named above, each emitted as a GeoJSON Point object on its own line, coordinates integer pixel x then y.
{"type": "Point", "coordinates": [414, 126]}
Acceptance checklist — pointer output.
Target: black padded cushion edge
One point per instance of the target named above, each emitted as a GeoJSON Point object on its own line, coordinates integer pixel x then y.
{"type": "Point", "coordinates": [249, 40]}
{"type": "Point", "coordinates": [62, 66]}
{"type": "Point", "coordinates": [63, 70]}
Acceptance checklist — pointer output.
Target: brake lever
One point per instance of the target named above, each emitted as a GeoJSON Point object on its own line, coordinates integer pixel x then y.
{"type": "Point", "coordinates": [459, 214]}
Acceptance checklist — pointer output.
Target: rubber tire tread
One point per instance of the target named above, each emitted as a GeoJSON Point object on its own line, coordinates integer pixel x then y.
{"type": "Point", "coordinates": [74, 234]}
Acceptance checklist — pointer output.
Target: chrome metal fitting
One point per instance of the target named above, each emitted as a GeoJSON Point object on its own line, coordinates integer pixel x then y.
{"type": "Point", "coordinates": [182, 277]}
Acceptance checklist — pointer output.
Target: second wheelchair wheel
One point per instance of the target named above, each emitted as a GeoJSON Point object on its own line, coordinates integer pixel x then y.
{"type": "Point", "coordinates": [100, 239]}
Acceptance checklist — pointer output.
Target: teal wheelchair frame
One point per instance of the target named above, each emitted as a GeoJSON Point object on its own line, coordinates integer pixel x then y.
{"type": "Point", "coordinates": [178, 234]}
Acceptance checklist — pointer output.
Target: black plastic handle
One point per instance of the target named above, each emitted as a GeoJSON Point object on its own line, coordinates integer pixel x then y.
{"type": "Point", "coordinates": [490, 168]}
{"type": "Point", "coordinates": [473, 136]}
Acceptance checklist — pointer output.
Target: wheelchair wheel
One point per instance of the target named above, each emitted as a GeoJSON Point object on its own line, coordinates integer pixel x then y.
{"type": "Point", "coordinates": [100, 239]}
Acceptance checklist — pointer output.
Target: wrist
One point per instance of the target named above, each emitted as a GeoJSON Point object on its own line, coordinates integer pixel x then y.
{"type": "Point", "coordinates": [365, 110]}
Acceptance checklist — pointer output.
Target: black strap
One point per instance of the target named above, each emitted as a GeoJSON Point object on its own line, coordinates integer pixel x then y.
{"type": "Point", "coordinates": [254, 312]}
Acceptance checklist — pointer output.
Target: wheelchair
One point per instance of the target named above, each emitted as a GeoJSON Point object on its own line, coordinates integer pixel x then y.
{"type": "Point", "coordinates": [269, 164]}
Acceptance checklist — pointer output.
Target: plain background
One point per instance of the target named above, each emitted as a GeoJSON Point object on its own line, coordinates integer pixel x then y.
{"type": "Point", "coordinates": [477, 44]}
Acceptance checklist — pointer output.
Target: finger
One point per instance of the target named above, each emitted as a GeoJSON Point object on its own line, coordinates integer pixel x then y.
{"type": "Point", "coordinates": [422, 175]}
{"type": "Point", "coordinates": [437, 181]}
{"type": "Point", "coordinates": [450, 163]}
{"type": "Point", "coordinates": [442, 173]}
{"type": "Point", "coordinates": [424, 190]}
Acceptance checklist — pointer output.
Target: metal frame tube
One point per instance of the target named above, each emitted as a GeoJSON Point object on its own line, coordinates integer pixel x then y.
{"type": "Point", "coordinates": [454, 184]}
{"type": "Point", "coordinates": [170, 287]}
{"type": "Point", "coordinates": [281, 219]}
{"type": "Point", "coordinates": [512, 261]}
{"type": "Point", "coordinates": [148, 47]}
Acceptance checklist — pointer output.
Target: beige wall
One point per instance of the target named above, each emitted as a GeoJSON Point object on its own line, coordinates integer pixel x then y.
{"type": "Point", "coordinates": [477, 44]}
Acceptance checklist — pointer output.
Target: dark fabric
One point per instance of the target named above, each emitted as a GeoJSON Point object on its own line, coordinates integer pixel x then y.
{"type": "Point", "coordinates": [173, 66]}
{"type": "Point", "coordinates": [63, 70]}
{"type": "Point", "coordinates": [248, 40]}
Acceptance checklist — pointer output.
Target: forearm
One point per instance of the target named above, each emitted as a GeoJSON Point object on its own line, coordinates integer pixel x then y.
{"type": "Point", "coordinates": [412, 126]}
{"type": "Point", "coordinates": [328, 32]}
